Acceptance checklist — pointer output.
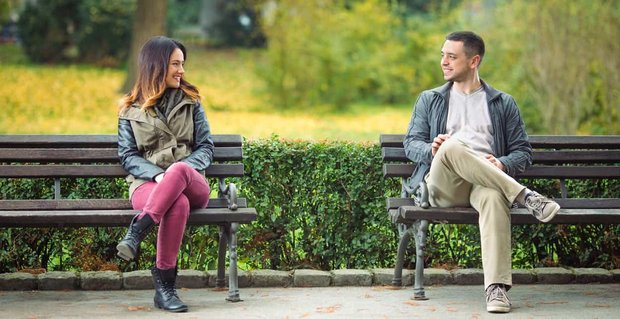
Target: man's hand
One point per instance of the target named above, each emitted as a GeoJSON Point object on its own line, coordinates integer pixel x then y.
{"type": "Point", "coordinates": [495, 161]}
{"type": "Point", "coordinates": [437, 141]}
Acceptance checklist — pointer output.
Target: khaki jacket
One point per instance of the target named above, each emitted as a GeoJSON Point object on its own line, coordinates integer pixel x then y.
{"type": "Point", "coordinates": [149, 144]}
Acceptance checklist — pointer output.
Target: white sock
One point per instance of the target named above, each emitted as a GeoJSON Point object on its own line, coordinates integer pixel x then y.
{"type": "Point", "coordinates": [522, 195]}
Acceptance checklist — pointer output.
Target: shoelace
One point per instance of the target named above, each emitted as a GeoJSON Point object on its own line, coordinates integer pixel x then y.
{"type": "Point", "coordinates": [497, 293]}
{"type": "Point", "coordinates": [535, 202]}
{"type": "Point", "coordinates": [169, 290]}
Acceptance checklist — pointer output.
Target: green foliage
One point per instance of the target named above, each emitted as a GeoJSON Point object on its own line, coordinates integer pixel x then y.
{"type": "Point", "coordinates": [563, 76]}
{"type": "Point", "coordinates": [577, 92]}
{"type": "Point", "coordinates": [46, 29]}
{"type": "Point", "coordinates": [105, 31]}
{"type": "Point", "coordinates": [182, 13]}
{"type": "Point", "coordinates": [451, 246]}
{"type": "Point", "coordinates": [539, 245]}
{"type": "Point", "coordinates": [320, 205]}
{"type": "Point", "coordinates": [5, 10]}
{"type": "Point", "coordinates": [77, 31]}
{"type": "Point", "coordinates": [238, 25]}
{"type": "Point", "coordinates": [332, 53]}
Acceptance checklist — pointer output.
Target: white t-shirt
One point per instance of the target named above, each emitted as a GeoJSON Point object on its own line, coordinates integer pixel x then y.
{"type": "Point", "coordinates": [469, 120]}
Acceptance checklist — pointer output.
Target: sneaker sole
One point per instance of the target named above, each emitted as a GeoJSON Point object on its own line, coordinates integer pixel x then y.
{"type": "Point", "coordinates": [498, 309]}
{"type": "Point", "coordinates": [550, 217]}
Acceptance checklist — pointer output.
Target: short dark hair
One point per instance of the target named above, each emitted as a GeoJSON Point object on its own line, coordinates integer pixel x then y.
{"type": "Point", "coordinates": [472, 43]}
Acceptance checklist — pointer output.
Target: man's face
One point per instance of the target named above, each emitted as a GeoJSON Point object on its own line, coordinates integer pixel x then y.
{"type": "Point", "coordinates": [455, 64]}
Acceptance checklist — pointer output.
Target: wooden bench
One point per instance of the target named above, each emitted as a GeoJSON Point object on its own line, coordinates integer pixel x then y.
{"type": "Point", "coordinates": [88, 156]}
{"type": "Point", "coordinates": [555, 157]}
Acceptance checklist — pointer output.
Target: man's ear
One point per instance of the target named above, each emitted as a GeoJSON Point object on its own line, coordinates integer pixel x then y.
{"type": "Point", "coordinates": [475, 61]}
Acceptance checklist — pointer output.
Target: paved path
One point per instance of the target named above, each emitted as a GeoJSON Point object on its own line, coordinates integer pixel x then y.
{"type": "Point", "coordinates": [529, 301]}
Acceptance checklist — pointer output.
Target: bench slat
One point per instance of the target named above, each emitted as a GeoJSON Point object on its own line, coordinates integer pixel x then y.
{"type": "Point", "coordinates": [407, 214]}
{"type": "Point", "coordinates": [79, 218]}
{"type": "Point", "coordinates": [398, 170]}
{"type": "Point", "coordinates": [53, 170]}
{"type": "Point", "coordinates": [46, 155]}
{"type": "Point", "coordinates": [91, 204]}
{"type": "Point", "coordinates": [395, 202]}
{"type": "Point", "coordinates": [538, 171]}
{"type": "Point", "coordinates": [576, 172]}
{"type": "Point", "coordinates": [391, 140]}
{"type": "Point", "coordinates": [90, 155]}
{"type": "Point", "coordinates": [538, 141]}
{"type": "Point", "coordinates": [574, 157]}
{"type": "Point", "coordinates": [90, 141]}
{"type": "Point", "coordinates": [395, 154]}
{"type": "Point", "coordinates": [575, 141]}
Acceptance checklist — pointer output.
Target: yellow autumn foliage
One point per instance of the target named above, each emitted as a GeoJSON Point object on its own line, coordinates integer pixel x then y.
{"type": "Point", "coordinates": [70, 99]}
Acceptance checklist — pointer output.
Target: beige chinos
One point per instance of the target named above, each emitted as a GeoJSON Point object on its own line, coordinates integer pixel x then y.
{"type": "Point", "coordinates": [460, 177]}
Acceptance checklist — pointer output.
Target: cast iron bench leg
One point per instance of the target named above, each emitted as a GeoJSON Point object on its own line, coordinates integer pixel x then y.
{"type": "Point", "coordinates": [405, 233]}
{"type": "Point", "coordinates": [418, 230]}
{"type": "Point", "coordinates": [220, 282]}
{"type": "Point", "coordinates": [233, 284]}
{"type": "Point", "coordinates": [420, 246]}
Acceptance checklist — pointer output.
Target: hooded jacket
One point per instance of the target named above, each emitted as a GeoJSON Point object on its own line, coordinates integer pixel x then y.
{"type": "Point", "coordinates": [429, 119]}
{"type": "Point", "coordinates": [149, 142]}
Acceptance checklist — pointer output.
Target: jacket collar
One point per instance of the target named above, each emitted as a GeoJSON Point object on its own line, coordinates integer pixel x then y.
{"type": "Point", "coordinates": [444, 90]}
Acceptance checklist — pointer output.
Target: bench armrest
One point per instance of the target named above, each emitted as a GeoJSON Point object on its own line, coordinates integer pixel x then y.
{"type": "Point", "coordinates": [419, 194]}
{"type": "Point", "coordinates": [229, 192]}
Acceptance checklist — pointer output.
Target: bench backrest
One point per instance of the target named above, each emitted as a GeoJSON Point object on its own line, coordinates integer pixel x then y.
{"type": "Point", "coordinates": [549, 153]}
{"type": "Point", "coordinates": [555, 157]}
{"type": "Point", "coordinates": [84, 156]}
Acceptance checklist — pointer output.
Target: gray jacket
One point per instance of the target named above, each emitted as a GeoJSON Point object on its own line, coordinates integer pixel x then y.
{"type": "Point", "coordinates": [430, 115]}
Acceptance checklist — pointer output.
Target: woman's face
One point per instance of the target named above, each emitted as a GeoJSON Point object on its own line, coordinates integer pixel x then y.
{"type": "Point", "coordinates": [175, 69]}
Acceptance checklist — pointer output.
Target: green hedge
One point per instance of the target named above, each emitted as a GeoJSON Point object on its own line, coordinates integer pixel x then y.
{"type": "Point", "coordinates": [321, 205]}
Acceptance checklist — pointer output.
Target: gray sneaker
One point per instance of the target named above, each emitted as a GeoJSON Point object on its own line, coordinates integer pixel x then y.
{"type": "Point", "coordinates": [541, 207]}
{"type": "Point", "coordinates": [497, 300]}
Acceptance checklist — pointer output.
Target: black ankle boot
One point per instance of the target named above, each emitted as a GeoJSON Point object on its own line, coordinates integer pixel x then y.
{"type": "Point", "coordinates": [165, 291]}
{"type": "Point", "coordinates": [128, 247]}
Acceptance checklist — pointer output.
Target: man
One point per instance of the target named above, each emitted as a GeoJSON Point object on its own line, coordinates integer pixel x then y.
{"type": "Point", "coordinates": [469, 141]}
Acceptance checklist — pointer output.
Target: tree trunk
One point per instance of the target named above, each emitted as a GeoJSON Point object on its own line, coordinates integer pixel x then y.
{"type": "Point", "coordinates": [150, 20]}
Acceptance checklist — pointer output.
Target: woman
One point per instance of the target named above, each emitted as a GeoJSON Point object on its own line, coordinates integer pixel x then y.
{"type": "Point", "coordinates": [164, 142]}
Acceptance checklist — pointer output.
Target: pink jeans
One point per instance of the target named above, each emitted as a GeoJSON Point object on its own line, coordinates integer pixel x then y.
{"type": "Point", "coordinates": [168, 203]}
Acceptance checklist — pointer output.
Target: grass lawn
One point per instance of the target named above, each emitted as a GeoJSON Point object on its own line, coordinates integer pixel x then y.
{"type": "Point", "coordinates": [66, 99]}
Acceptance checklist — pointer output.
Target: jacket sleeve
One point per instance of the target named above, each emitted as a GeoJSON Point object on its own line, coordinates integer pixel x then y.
{"type": "Point", "coordinates": [130, 157]}
{"type": "Point", "coordinates": [518, 150]}
{"type": "Point", "coordinates": [417, 142]}
{"type": "Point", "coordinates": [202, 150]}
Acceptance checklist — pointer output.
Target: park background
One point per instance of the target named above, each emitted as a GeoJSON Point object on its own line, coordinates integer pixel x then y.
{"type": "Point", "coordinates": [310, 85]}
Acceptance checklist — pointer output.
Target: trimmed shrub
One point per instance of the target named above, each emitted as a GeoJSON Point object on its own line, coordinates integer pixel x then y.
{"type": "Point", "coordinates": [46, 29]}
{"type": "Point", "coordinates": [105, 32]}
{"type": "Point", "coordinates": [77, 31]}
{"type": "Point", "coordinates": [320, 205]}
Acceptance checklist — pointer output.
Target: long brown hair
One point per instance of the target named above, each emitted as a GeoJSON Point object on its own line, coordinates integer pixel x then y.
{"type": "Point", "coordinates": [152, 70]}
